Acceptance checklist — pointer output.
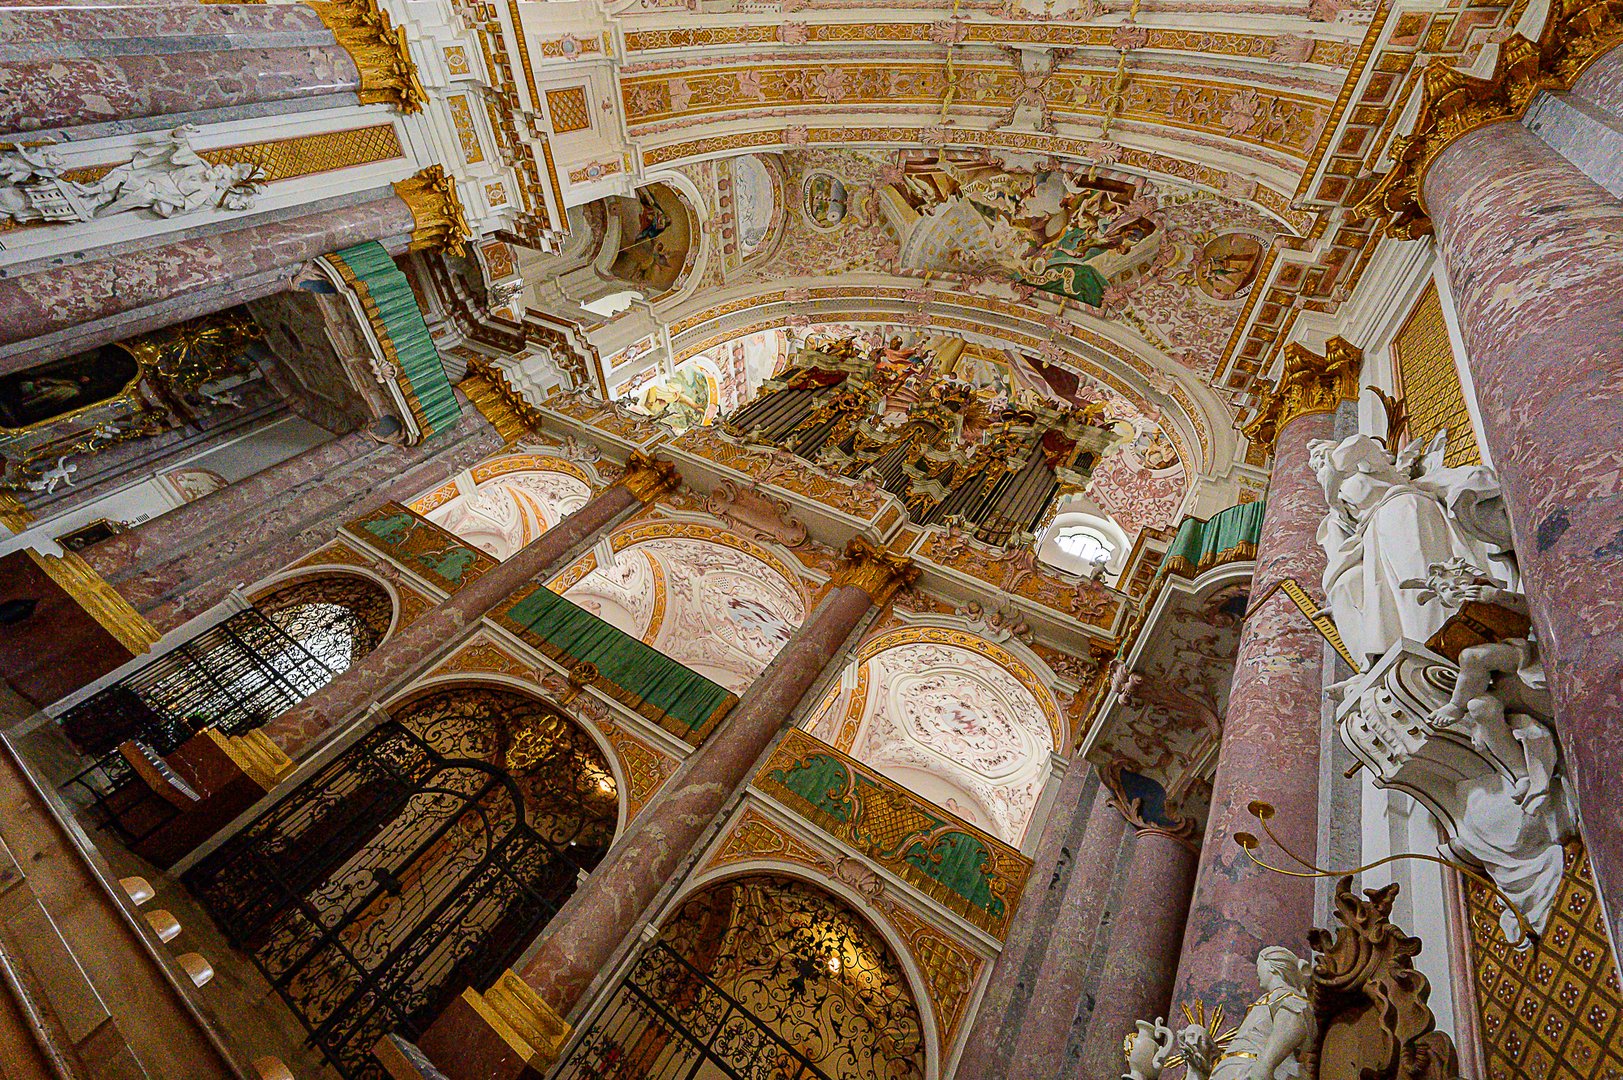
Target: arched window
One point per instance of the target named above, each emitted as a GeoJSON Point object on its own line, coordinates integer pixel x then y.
{"type": "Point", "coordinates": [759, 976]}
{"type": "Point", "coordinates": [419, 863]}
{"type": "Point", "coordinates": [1086, 544]}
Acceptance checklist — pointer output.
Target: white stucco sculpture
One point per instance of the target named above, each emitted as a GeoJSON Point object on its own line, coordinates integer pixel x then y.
{"type": "Point", "coordinates": [1264, 1047]}
{"type": "Point", "coordinates": [1474, 744]}
{"type": "Point", "coordinates": [1390, 518]}
{"type": "Point", "coordinates": [1147, 1050]}
{"type": "Point", "coordinates": [167, 179]}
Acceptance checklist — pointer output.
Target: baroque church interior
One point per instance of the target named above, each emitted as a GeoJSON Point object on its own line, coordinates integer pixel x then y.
{"type": "Point", "coordinates": [811, 539]}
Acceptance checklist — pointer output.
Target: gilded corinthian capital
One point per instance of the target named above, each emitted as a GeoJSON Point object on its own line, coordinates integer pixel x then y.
{"type": "Point", "coordinates": [1309, 383]}
{"type": "Point", "coordinates": [649, 477]}
{"type": "Point", "coordinates": [1454, 104]}
{"type": "Point", "coordinates": [435, 210]}
{"type": "Point", "coordinates": [875, 571]}
{"type": "Point", "coordinates": [378, 49]}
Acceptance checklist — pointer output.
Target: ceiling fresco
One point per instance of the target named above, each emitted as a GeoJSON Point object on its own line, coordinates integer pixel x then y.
{"type": "Point", "coordinates": [1171, 262]}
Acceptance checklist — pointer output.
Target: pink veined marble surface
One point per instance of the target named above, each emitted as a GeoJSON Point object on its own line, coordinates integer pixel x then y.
{"type": "Point", "coordinates": [70, 91]}
{"type": "Point", "coordinates": [990, 1043]}
{"type": "Point", "coordinates": [181, 527]}
{"type": "Point", "coordinates": [257, 543]}
{"type": "Point", "coordinates": [228, 55]}
{"type": "Point", "coordinates": [1270, 751]}
{"type": "Point", "coordinates": [1039, 1049]}
{"type": "Point", "coordinates": [300, 728]}
{"type": "Point", "coordinates": [1534, 253]}
{"type": "Point", "coordinates": [62, 297]}
{"type": "Point", "coordinates": [1137, 980]}
{"type": "Point", "coordinates": [1603, 82]}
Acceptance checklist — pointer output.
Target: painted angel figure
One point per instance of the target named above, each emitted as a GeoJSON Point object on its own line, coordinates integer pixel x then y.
{"type": "Point", "coordinates": [1390, 518]}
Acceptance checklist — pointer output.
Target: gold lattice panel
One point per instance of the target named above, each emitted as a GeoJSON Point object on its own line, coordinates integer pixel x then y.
{"type": "Point", "coordinates": [568, 110]}
{"type": "Point", "coordinates": [1551, 1012]}
{"type": "Point", "coordinates": [285, 159]}
{"type": "Point", "coordinates": [1429, 383]}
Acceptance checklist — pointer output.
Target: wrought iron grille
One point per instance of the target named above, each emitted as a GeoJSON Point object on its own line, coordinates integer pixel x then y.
{"type": "Point", "coordinates": [757, 978]}
{"type": "Point", "coordinates": [408, 869]}
{"type": "Point", "coordinates": [669, 1021]}
{"type": "Point", "coordinates": [234, 677]}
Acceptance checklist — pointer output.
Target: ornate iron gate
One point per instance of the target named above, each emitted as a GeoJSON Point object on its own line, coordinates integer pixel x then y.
{"type": "Point", "coordinates": [669, 1021]}
{"type": "Point", "coordinates": [385, 885]}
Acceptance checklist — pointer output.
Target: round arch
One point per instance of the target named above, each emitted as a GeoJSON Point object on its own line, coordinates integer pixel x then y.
{"type": "Point", "coordinates": [510, 506]}
{"type": "Point", "coordinates": [321, 606]}
{"type": "Point", "coordinates": [952, 717]}
{"type": "Point", "coordinates": [822, 953]}
{"type": "Point", "coordinates": [1199, 423]}
{"type": "Point", "coordinates": [498, 681]}
{"type": "Point", "coordinates": [432, 849]}
{"type": "Point", "coordinates": [708, 598]}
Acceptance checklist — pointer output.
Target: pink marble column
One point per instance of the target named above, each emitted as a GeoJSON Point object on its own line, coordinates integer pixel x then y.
{"type": "Point", "coordinates": [1000, 1020]}
{"type": "Point", "coordinates": [63, 68]}
{"type": "Point", "coordinates": [1058, 984]}
{"type": "Point", "coordinates": [1602, 82]}
{"type": "Point", "coordinates": [582, 939]}
{"type": "Point", "coordinates": [175, 585]}
{"type": "Point", "coordinates": [164, 536]}
{"type": "Point", "coordinates": [57, 299]}
{"type": "Point", "coordinates": [1270, 750]}
{"type": "Point", "coordinates": [1534, 253]}
{"type": "Point", "coordinates": [303, 727]}
{"type": "Point", "coordinates": [1144, 939]}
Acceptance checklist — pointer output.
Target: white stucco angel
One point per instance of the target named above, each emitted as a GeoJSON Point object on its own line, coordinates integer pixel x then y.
{"type": "Point", "coordinates": [173, 178]}
{"type": "Point", "coordinates": [1390, 518]}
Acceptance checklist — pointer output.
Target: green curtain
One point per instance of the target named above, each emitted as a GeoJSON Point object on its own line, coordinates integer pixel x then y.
{"type": "Point", "coordinates": [678, 698]}
{"type": "Point", "coordinates": [1228, 535]}
{"type": "Point", "coordinates": [398, 322]}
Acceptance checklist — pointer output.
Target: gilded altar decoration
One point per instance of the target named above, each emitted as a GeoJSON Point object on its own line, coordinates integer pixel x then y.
{"type": "Point", "coordinates": [967, 870]}
{"type": "Point", "coordinates": [1454, 104]}
{"type": "Point", "coordinates": [54, 414]}
{"type": "Point", "coordinates": [1308, 383]}
{"type": "Point", "coordinates": [435, 210]}
{"type": "Point", "coordinates": [875, 571]}
{"type": "Point", "coordinates": [420, 545]}
{"type": "Point", "coordinates": [365, 31]}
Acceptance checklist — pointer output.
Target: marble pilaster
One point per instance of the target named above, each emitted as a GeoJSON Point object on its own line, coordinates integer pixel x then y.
{"type": "Point", "coordinates": [1602, 83]}
{"type": "Point", "coordinates": [1144, 937]}
{"type": "Point", "coordinates": [56, 299]}
{"type": "Point", "coordinates": [1004, 1007]}
{"type": "Point", "coordinates": [302, 727]}
{"type": "Point", "coordinates": [283, 529]}
{"type": "Point", "coordinates": [1060, 1004]}
{"type": "Point", "coordinates": [1270, 747]}
{"type": "Point", "coordinates": [86, 65]}
{"type": "Point", "coordinates": [582, 939]}
{"type": "Point", "coordinates": [162, 537]}
{"type": "Point", "coordinates": [1534, 254]}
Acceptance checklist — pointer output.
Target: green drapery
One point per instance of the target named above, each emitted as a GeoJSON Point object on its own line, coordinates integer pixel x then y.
{"type": "Point", "coordinates": [1227, 536]}
{"type": "Point", "coordinates": [397, 321]}
{"type": "Point", "coordinates": [677, 698]}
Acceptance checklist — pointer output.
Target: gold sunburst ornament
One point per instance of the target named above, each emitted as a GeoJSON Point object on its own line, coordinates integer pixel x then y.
{"type": "Point", "coordinates": [1216, 1041]}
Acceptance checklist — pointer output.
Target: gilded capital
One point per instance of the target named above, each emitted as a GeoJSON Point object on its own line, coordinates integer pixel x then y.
{"type": "Point", "coordinates": [364, 31]}
{"type": "Point", "coordinates": [436, 212]}
{"type": "Point", "coordinates": [649, 477]}
{"type": "Point", "coordinates": [875, 571]}
{"type": "Point", "coordinates": [1309, 383]}
{"type": "Point", "coordinates": [1454, 104]}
